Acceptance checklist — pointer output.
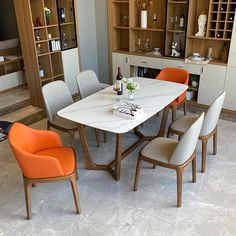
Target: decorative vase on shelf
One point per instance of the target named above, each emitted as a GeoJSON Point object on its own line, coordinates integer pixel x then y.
{"type": "Point", "coordinates": [143, 19]}
{"type": "Point", "coordinates": [131, 95]}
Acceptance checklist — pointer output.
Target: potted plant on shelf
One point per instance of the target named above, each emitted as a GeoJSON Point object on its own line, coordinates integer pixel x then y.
{"type": "Point", "coordinates": [47, 13]}
{"type": "Point", "coordinates": [143, 6]}
{"type": "Point", "coordinates": [131, 86]}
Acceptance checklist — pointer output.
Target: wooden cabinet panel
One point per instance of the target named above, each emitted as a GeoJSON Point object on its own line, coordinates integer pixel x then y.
{"type": "Point", "coordinates": [211, 83]}
{"type": "Point", "coordinates": [230, 85]}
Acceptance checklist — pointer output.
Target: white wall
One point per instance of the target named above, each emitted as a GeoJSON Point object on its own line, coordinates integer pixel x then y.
{"type": "Point", "coordinates": [93, 33]}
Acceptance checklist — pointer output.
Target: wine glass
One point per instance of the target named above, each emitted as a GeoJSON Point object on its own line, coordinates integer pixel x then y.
{"type": "Point", "coordinates": [117, 87]}
{"type": "Point", "coordinates": [138, 43]}
{"type": "Point", "coordinates": [154, 19]}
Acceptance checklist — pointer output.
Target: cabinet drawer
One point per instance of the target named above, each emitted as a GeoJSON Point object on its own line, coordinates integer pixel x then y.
{"type": "Point", "coordinates": [155, 63]}
{"type": "Point", "coordinates": [192, 69]}
{"type": "Point", "coordinates": [172, 63]}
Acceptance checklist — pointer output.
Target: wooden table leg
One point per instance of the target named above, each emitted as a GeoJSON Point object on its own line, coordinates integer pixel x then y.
{"type": "Point", "coordinates": [164, 121]}
{"type": "Point", "coordinates": [118, 158]}
{"type": "Point", "coordinates": [89, 164]}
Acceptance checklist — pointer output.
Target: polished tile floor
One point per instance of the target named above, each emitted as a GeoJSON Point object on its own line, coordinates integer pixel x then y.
{"type": "Point", "coordinates": [112, 208]}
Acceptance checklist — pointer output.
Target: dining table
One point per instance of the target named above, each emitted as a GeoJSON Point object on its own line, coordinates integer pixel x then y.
{"type": "Point", "coordinates": [96, 111]}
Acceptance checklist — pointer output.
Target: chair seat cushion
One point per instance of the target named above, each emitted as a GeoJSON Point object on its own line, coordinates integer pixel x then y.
{"type": "Point", "coordinates": [64, 123]}
{"type": "Point", "coordinates": [64, 155]}
{"type": "Point", "coordinates": [160, 149]}
{"type": "Point", "coordinates": [183, 123]}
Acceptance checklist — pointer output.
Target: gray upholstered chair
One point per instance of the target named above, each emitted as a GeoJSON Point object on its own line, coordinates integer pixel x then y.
{"type": "Point", "coordinates": [88, 84]}
{"type": "Point", "coordinates": [57, 96]}
{"type": "Point", "coordinates": [209, 127]}
{"type": "Point", "coordinates": [172, 154]}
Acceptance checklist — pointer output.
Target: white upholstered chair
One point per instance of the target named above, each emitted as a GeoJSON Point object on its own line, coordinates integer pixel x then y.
{"type": "Point", "coordinates": [209, 127]}
{"type": "Point", "coordinates": [172, 154]}
{"type": "Point", "coordinates": [57, 96]}
{"type": "Point", "coordinates": [88, 84]}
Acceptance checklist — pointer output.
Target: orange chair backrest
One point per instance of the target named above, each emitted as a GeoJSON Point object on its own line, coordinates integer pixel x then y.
{"type": "Point", "coordinates": [176, 75]}
{"type": "Point", "coordinates": [24, 142]}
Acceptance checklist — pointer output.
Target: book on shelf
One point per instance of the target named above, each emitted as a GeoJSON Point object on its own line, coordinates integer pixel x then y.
{"type": "Point", "coordinates": [55, 45]}
{"type": "Point", "coordinates": [129, 110]}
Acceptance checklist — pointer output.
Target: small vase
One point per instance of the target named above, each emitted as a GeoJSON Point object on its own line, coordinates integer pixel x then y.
{"type": "Point", "coordinates": [130, 95]}
{"type": "Point", "coordinates": [143, 19]}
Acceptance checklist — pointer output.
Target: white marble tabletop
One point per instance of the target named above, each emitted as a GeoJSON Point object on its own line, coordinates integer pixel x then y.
{"type": "Point", "coordinates": [96, 110]}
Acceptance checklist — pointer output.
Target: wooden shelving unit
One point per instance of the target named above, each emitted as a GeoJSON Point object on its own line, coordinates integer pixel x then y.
{"type": "Point", "coordinates": [43, 40]}
{"type": "Point", "coordinates": [126, 34]}
{"type": "Point", "coordinates": [176, 26]}
{"type": "Point", "coordinates": [125, 31]}
{"type": "Point", "coordinates": [218, 30]}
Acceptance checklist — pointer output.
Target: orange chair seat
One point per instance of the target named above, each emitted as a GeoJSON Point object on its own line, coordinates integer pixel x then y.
{"type": "Point", "coordinates": [64, 155]}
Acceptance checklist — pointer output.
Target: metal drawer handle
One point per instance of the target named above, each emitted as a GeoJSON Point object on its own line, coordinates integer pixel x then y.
{"type": "Point", "coordinates": [180, 66]}
{"type": "Point", "coordinates": [144, 62]}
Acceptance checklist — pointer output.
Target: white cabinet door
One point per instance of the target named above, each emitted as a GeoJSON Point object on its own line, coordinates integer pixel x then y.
{"type": "Point", "coordinates": [232, 51]}
{"type": "Point", "coordinates": [122, 61]}
{"type": "Point", "coordinates": [230, 85]}
{"type": "Point", "coordinates": [70, 61]}
{"type": "Point", "coordinates": [211, 83]}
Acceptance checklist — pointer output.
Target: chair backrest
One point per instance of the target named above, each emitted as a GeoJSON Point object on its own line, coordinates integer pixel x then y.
{"type": "Point", "coordinates": [187, 144]}
{"type": "Point", "coordinates": [88, 83]}
{"type": "Point", "coordinates": [174, 75]}
{"type": "Point", "coordinates": [212, 115]}
{"type": "Point", "coordinates": [24, 142]}
{"type": "Point", "coordinates": [56, 96]}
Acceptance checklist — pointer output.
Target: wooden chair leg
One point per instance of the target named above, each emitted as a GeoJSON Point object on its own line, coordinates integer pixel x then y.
{"type": "Point", "coordinates": [179, 173]}
{"type": "Point", "coordinates": [215, 143]}
{"type": "Point", "coordinates": [75, 193]}
{"type": "Point", "coordinates": [138, 167]}
{"type": "Point", "coordinates": [105, 136]}
{"type": "Point", "coordinates": [204, 152]}
{"type": "Point", "coordinates": [168, 133]}
{"type": "Point", "coordinates": [72, 139]}
{"type": "Point", "coordinates": [97, 137]}
{"type": "Point", "coordinates": [185, 107]}
{"type": "Point", "coordinates": [27, 188]}
{"type": "Point", "coordinates": [174, 108]}
{"type": "Point", "coordinates": [194, 169]}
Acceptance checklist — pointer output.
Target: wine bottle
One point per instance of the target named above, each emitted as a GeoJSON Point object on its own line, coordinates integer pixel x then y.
{"type": "Point", "coordinates": [181, 22]}
{"type": "Point", "coordinates": [119, 78]}
{"type": "Point", "coordinates": [41, 71]}
{"type": "Point", "coordinates": [62, 15]}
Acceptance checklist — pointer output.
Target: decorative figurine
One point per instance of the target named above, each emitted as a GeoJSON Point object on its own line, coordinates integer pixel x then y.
{"type": "Point", "coordinates": [174, 52]}
{"type": "Point", "coordinates": [202, 19]}
{"type": "Point", "coordinates": [209, 57]}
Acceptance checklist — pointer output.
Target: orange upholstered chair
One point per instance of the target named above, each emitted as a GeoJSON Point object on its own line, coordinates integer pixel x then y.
{"type": "Point", "coordinates": [42, 158]}
{"type": "Point", "coordinates": [178, 76]}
